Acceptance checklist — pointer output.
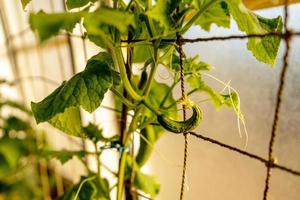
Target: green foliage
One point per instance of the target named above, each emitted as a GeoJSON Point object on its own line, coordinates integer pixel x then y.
{"type": "Point", "coordinates": [153, 26]}
{"type": "Point", "coordinates": [163, 13]}
{"type": "Point", "coordinates": [86, 89]}
{"type": "Point", "coordinates": [217, 14]}
{"type": "Point", "coordinates": [63, 155]}
{"type": "Point", "coordinates": [91, 187]}
{"type": "Point", "coordinates": [78, 3]}
{"type": "Point", "coordinates": [48, 25]}
{"type": "Point", "coordinates": [18, 153]}
{"type": "Point", "coordinates": [264, 49]}
{"type": "Point", "coordinates": [142, 181]}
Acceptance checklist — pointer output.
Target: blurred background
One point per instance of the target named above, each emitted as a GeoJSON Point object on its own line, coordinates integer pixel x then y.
{"type": "Point", "coordinates": [213, 173]}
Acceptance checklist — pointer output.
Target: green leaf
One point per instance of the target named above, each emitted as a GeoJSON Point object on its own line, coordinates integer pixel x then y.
{"type": "Point", "coordinates": [147, 184]}
{"type": "Point", "coordinates": [264, 49]}
{"type": "Point", "coordinates": [63, 155]}
{"type": "Point", "coordinates": [233, 100]}
{"type": "Point", "coordinates": [25, 3]}
{"type": "Point", "coordinates": [144, 182]}
{"type": "Point", "coordinates": [94, 133]}
{"type": "Point", "coordinates": [196, 83]}
{"type": "Point", "coordinates": [191, 65]}
{"type": "Point", "coordinates": [216, 14]}
{"type": "Point", "coordinates": [162, 12]}
{"type": "Point", "coordinates": [85, 89]}
{"type": "Point", "coordinates": [91, 187]}
{"type": "Point", "coordinates": [99, 23]}
{"type": "Point", "coordinates": [116, 18]}
{"type": "Point", "coordinates": [141, 53]}
{"type": "Point", "coordinates": [48, 25]}
{"type": "Point", "coordinates": [78, 3]}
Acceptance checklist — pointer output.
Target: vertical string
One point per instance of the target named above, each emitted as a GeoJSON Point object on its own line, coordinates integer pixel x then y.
{"type": "Point", "coordinates": [183, 97]}
{"type": "Point", "coordinates": [271, 158]}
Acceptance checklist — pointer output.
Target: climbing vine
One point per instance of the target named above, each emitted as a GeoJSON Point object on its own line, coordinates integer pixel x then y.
{"type": "Point", "coordinates": [136, 39]}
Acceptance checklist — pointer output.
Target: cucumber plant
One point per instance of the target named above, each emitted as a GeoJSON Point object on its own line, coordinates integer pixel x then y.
{"type": "Point", "coordinates": [136, 38]}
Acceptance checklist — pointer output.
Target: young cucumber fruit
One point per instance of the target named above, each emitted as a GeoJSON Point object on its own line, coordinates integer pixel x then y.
{"type": "Point", "coordinates": [182, 126]}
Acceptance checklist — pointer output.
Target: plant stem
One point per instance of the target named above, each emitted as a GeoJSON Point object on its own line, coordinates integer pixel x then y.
{"type": "Point", "coordinates": [156, 111]}
{"type": "Point", "coordinates": [118, 57]}
{"type": "Point", "coordinates": [121, 175]}
{"type": "Point", "coordinates": [122, 98]}
{"type": "Point", "coordinates": [152, 73]}
{"type": "Point", "coordinates": [98, 160]}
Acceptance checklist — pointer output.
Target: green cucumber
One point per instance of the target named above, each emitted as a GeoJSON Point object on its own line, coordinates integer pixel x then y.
{"type": "Point", "coordinates": [181, 126]}
{"type": "Point", "coordinates": [143, 80]}
{"type": "Point", "coordinates": [145, 149]}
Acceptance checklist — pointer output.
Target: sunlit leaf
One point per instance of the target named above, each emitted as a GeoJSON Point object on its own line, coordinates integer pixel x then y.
{"type": "Point", "coordinates": [91, 187]}
{"type": "Point", "coordinates": [191, 65]}
{"type": "Point", "coordinates": [217, 14]}
{"type": "Point", "coordinates": [78, 3]}
{"type": "Point", "coordinates": [264, 49]}
{"type": "Point", "coordinates": [196, 83]}
{"type": "Point", "coordinates": [162, 12]}
{"type": "Point", "coordinates": [85, 89]}
{"type": "Point", "coordinates": [48, 25]}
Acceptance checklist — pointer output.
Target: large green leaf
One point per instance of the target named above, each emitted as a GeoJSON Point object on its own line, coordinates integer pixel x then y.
{"type": "Point", "coordinates": [85, 89]}
{"type": "Point", "coordinates": [99, 23]}
{"type": "Point", "coordinates": [162, 12]}
{"type": "Point", "coordinates": [216, 14]}
{"type": "Point", "coordinates": [264, 49]}
{"type": "Point", "coordinates": [78, 3]}
{"type": "Point", "coordinates": [48, 25]}
{"type": "Point", "coordinates": [213, 11]}
{"type": "Point", "coordinates": [118, 19]}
